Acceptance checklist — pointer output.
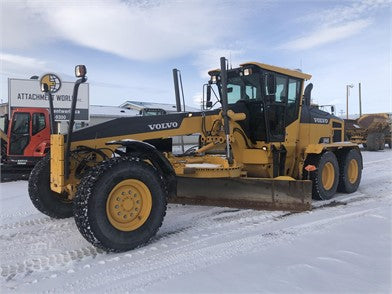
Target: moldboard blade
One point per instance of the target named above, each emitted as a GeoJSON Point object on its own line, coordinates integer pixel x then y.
{"type": "Point", "coordinates": [258, 194]}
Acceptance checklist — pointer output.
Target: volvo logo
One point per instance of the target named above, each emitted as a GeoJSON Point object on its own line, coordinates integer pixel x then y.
{"type": "Point", "coordinates": [319, 120]}
{"type": "Point", "coordinates": [53, 82]}
{"type": "Point", "coordinates": [163, 126]}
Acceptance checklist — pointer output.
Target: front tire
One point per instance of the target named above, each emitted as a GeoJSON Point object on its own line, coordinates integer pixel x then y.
{"type": "Point", "coordinates": [44, 199]}
{"type": "Point", "coordinates": [325, 178]}
{"type": "Point", "coordinates": [120, 204]}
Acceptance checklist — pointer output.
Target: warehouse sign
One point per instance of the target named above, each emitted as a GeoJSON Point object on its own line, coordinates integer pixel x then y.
{"type": "Point", "coordinates": [27, 93]}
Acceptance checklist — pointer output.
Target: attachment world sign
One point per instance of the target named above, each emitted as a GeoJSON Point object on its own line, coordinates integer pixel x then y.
{"type": "Point", "coordinates": [27, 93]}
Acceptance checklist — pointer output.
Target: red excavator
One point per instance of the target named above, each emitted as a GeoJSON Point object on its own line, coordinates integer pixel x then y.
{"type": "Point", "coordinates": [27, 141]}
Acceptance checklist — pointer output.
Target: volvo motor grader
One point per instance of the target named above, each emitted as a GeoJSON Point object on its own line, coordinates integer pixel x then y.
{"type": "Point", "coordinates": [261, 147]}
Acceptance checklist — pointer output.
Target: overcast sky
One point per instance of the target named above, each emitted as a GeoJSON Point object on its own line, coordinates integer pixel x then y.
{"type": "Point", "coordinates": [130, 47]}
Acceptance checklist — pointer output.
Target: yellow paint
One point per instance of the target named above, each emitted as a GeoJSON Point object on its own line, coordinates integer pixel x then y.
{"type": "Point", "coordinates": [3, 136]}
{"type": "Point", "coordinates": [255, 156]}
{"type": "Point", "coordinates": [129, 205]}
{"type": "Point", "coordinates": [57, 179]}
{"type": "Point", "coordinates": [352, 171]}
{"type": "Point", "coordinates": [328, 176]}
{"type": "Point", "coordinates": [46, 80]}
{"type": "Point", "coordinates": [281, 70]}
{"type": "Point", "coordinates": [236, 116]}
{"type": "Point", "coordinates": [284, 178]}
{"type": "Point", "coordinates": [318, 148]}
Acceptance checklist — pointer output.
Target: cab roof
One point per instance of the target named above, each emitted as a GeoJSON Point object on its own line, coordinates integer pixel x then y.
{"type": "Point", "coordinates": [281, 70]}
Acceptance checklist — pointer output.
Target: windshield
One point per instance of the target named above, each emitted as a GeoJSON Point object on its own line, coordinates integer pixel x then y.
{"type": "Point", "coordinates": [243, 88]}
{"type": "Point", "coordinates": [21, 123]}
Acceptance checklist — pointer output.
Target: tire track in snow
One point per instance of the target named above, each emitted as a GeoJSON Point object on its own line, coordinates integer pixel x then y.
{"type": "Point", "coordinates": [204, 257]}
{"type": "Point", "coordinates": [143, 272]}
{"type": "Point", "coordinates": [180, 245]}
{"type": "Point", "coordinates": [201, 231]}
{"type": "Point", "coordinates": [182, 238]}
{"type": "Point", "coordinates": [34, 248]}
{"type": "Point", "coordinates": [30, 222]}
{"type": "Point", "coordinates": [18, 214]}
{"type": "Point", "coordinates": [50, 261]}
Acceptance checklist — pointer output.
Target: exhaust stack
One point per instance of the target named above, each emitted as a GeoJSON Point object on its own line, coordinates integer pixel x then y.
{"type": "Point", "coordinates": [177, 89]}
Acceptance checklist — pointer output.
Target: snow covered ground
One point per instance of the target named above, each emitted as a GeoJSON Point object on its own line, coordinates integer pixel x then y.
{"type": "Point", "coordinates": [343, 245]}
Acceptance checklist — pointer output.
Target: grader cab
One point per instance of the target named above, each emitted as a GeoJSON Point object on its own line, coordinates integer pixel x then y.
{"type": "Point", "coordinates": [264, 147]}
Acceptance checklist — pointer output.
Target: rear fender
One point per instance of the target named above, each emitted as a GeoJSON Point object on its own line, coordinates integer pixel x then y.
{"type": "Point", "coordinates": [156, 158]}
{"type": "Point", "coordinates": [320, 148]}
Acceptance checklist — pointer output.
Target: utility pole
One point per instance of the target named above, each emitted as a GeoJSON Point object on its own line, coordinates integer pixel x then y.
{"type": "Point", "coordinates": [360, 100]}
{"type": "Point", "coordinates": [347, 94]}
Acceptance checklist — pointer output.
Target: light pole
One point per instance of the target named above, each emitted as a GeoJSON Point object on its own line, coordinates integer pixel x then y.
{"type": "Point", "coordinates": [360, 99]}
{"type": "Point", "coordinates": [348, 93]}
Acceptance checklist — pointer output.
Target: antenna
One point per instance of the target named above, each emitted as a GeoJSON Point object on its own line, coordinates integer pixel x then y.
{"type": "Point", "coordinates": [231, 66]}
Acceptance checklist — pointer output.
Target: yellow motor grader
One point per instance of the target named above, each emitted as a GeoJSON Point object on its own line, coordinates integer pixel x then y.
{"type": "Point", "coordinates": [261, 146]}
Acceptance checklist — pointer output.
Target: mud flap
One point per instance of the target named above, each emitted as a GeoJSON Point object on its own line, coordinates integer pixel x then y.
{"type": "Point", "coordinates": [258, 194]}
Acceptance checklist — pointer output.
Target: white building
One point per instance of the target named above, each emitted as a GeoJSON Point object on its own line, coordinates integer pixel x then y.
{"type": "Point", "coordinates": [152, 106]}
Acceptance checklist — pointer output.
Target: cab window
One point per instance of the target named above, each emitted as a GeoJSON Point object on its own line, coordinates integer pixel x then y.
{"type": "Point", "coordinates": [233, 93]}
{"type": "Point", "coordinates": [38, 123]}
{"type": "Point", "coordinates": [281, 89]}
{"type": "Point", "coordinates": [21, 123]}
{"type": "Point", "coordinates": [292, 100]}
{"type": "Point", "coordinates": [243, 88]}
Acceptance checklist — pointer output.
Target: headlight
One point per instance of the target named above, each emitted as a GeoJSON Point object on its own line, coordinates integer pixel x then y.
{"type": "Point", "coordinates": [247, 71]}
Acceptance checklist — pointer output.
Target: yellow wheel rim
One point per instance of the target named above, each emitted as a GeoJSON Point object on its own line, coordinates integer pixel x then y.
{"type": "Point", "coordinates": [352, 171]}
{"type": "Point", "coordinates": [328, 176]}
{"type": "Point", "coordinates": [129, 205]}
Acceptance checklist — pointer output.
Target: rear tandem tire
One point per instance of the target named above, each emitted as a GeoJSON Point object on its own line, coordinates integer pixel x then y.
{"type": "Point", "coordinates": [372, 142]}
{"type": "Point", "coordinates": [350, 171]}
{"type": "Point", "coordinates": [120, 204]}
{"type": "Point", "coordinates": [382, 141]}
{"type": "Point", "coordinates": [43, 198]}
{"type": "Point", "coordinates": [325, 178]}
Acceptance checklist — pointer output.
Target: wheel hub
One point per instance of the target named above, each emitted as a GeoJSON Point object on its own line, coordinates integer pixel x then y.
{"type": "Point", "coordinates": [328, 176]}
{"type": "Point", "coordinates": [129, 205]}
{"type": "Point", "coordinates": [352, 171]}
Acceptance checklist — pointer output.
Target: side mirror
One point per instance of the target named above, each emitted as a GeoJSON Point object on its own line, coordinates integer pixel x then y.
{"type": "Point", "coordinates": [333, 110]}
{"type": "Point", "coordinates": [271, 84]}
{"type": "Point", "coordinates": [80, 71]}
{"type": "Point", "coordinates": [44, 88]}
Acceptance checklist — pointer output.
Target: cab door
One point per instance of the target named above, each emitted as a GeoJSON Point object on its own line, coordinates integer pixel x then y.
{"type": "Point", "coordinates": [276, 104]}
{"type": "Point", "coordinates": [40, 134]}
{"type": "Point", "coordinates": [19, 133]}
